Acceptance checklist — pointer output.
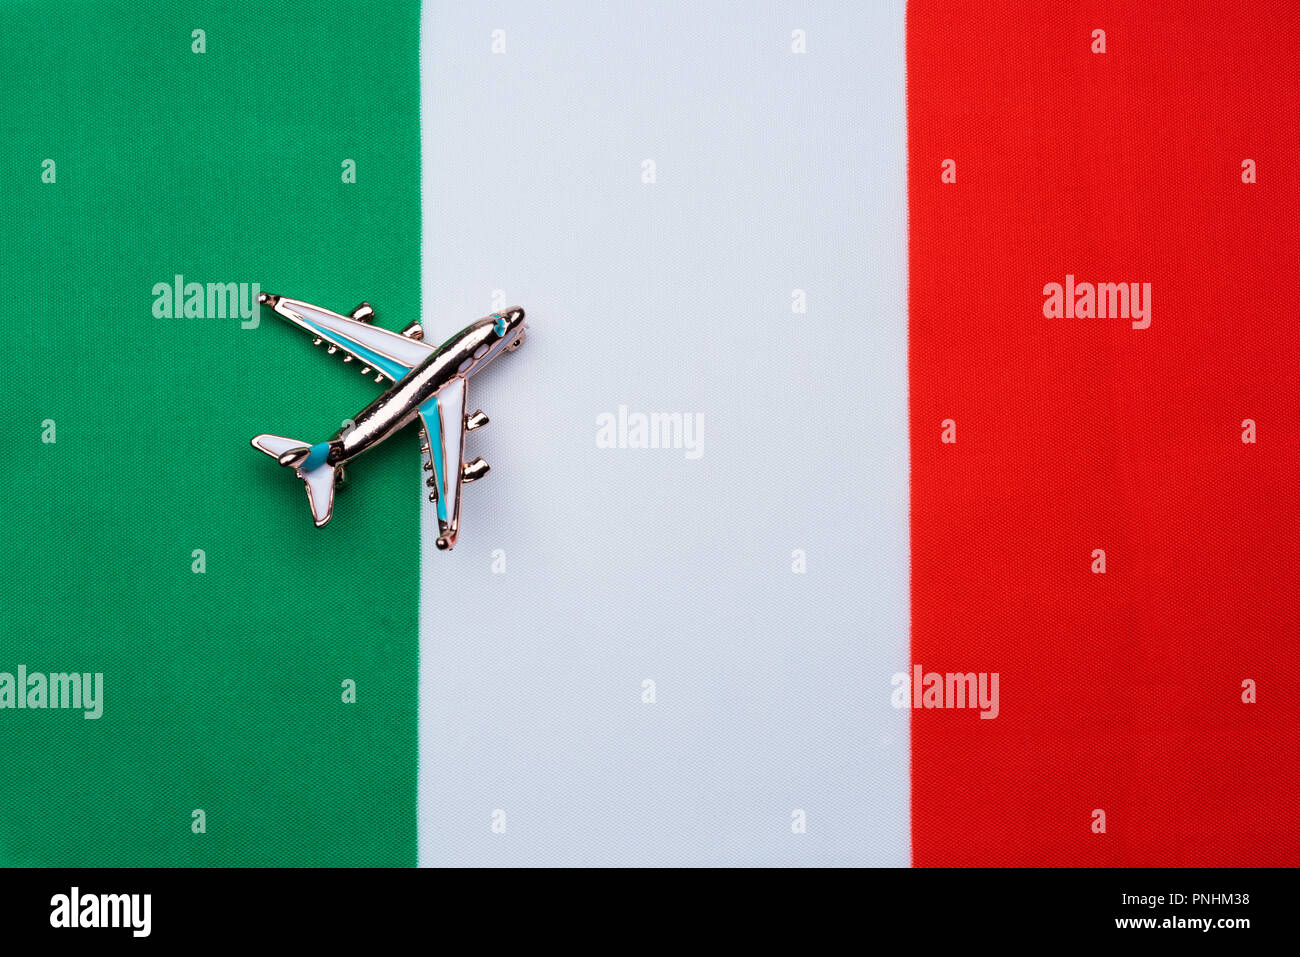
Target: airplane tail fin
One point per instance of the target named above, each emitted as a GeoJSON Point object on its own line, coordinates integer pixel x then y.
{"type": "Point", "coordinates": [310, 465]}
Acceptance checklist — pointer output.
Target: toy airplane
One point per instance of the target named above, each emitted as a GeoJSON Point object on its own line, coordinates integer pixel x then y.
{"type": "Point", "coordinates": [427, 382]}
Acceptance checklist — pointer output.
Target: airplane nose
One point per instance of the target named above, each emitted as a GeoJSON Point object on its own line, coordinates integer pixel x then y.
{"type": "Point", "coordinates": [267, 299]}
{"type": "Point", "coordinates": [521, 333]}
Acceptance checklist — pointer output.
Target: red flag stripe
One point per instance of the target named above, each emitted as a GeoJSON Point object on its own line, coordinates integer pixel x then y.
{"type": "Point", "coordinates": [1120, 692]}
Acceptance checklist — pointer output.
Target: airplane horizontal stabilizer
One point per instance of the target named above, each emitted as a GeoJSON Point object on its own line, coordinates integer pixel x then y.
{"type": "Point", "coordinates": [319, 478]}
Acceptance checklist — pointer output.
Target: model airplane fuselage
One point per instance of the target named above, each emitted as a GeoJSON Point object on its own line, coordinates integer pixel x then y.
{"type": "Point", "coordinates": [429, 382]}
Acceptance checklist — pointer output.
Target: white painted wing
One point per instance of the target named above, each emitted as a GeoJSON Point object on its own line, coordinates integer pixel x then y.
{"type": "Point", "coordinates": [444, 424]}
{"type": "Point", "coordinates": [276, 445]}
{"type": "Point", "coordinates": [388, 353]}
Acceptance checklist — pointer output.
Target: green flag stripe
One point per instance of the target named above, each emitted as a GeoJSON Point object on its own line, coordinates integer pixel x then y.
{"type": "Point", "coordinates": [148, 542]}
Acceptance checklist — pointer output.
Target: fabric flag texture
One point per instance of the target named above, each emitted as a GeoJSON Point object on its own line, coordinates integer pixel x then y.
{"type": "Point", "coordinates": [976, 542]}
{"type": "Point", "coordinates": [1172, 449]}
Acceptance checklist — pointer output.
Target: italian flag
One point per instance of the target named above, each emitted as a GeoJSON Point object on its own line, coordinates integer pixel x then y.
{"type": "Point", "coordinates": [981, 547]}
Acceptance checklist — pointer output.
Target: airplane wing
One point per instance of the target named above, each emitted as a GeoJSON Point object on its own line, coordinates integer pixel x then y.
{"type": "Point", "coordinates": [387, 354]}
{"type": "Point", "coordinates": [443, 420]}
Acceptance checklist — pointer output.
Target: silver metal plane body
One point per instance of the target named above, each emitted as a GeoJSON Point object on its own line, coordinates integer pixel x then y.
{"type": "Point", "coordinates": [428, 382]}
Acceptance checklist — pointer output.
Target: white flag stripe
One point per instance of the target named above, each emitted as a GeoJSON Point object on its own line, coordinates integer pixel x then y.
{"type": "Point", "coordinates": [623, 662]}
